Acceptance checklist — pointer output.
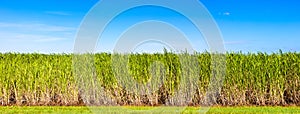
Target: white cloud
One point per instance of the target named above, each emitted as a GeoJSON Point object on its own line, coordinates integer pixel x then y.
{"type": "Point", "coordinates": [34, 32]}
{"type": "Point", "coordinates": [19, 37]}
{"type": "Point", "coordinates": [38, 38]}
{"type": "Point", "coordinates": [225, 13]}
{"type": "Point", "coordinates": [35, 27]}
{"type": "Point", "coordinates": [30, 37]}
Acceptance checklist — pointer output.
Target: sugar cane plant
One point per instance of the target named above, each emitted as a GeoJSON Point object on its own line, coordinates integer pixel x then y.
{"type": "Point", "coordinates": [251, 78]}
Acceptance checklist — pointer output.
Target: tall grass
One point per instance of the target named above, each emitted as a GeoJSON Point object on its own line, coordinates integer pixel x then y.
{"type": "Point", "coordinates": [251, 79]}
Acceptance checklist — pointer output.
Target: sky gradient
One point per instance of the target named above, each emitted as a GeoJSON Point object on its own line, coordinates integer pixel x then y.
{"type": "Point", "coordinates": [50, 26]}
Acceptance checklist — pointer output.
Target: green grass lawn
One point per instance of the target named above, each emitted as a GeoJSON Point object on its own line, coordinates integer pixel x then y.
{"type": "Point", "coordinates": [135, 110]}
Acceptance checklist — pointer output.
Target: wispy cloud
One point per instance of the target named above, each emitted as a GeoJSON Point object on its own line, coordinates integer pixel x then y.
{"type": "Point", "coordinates": [57, 13]}
{"type": "Point", "coordinates": [38, 38]}
{"type": "Point", "coordinates": [34, 32]}
{"type": "Point", "coordinates": [35, 27]}
{"type": "Point", "coordinates": [225, 13]}
{"type": "Point", "coordinates": [22, 37]}
{"type": "Point", "coordinates": [235, 42]}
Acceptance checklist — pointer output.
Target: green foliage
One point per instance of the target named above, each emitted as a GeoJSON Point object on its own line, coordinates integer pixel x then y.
{"type": "Point", "coordinates": [126, 110]}
{"type": "Point", "coordinates": [251, 79]}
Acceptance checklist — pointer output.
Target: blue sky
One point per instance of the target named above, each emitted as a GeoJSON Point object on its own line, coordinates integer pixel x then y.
{"type": "Point", "coordinates": [50, 26]}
